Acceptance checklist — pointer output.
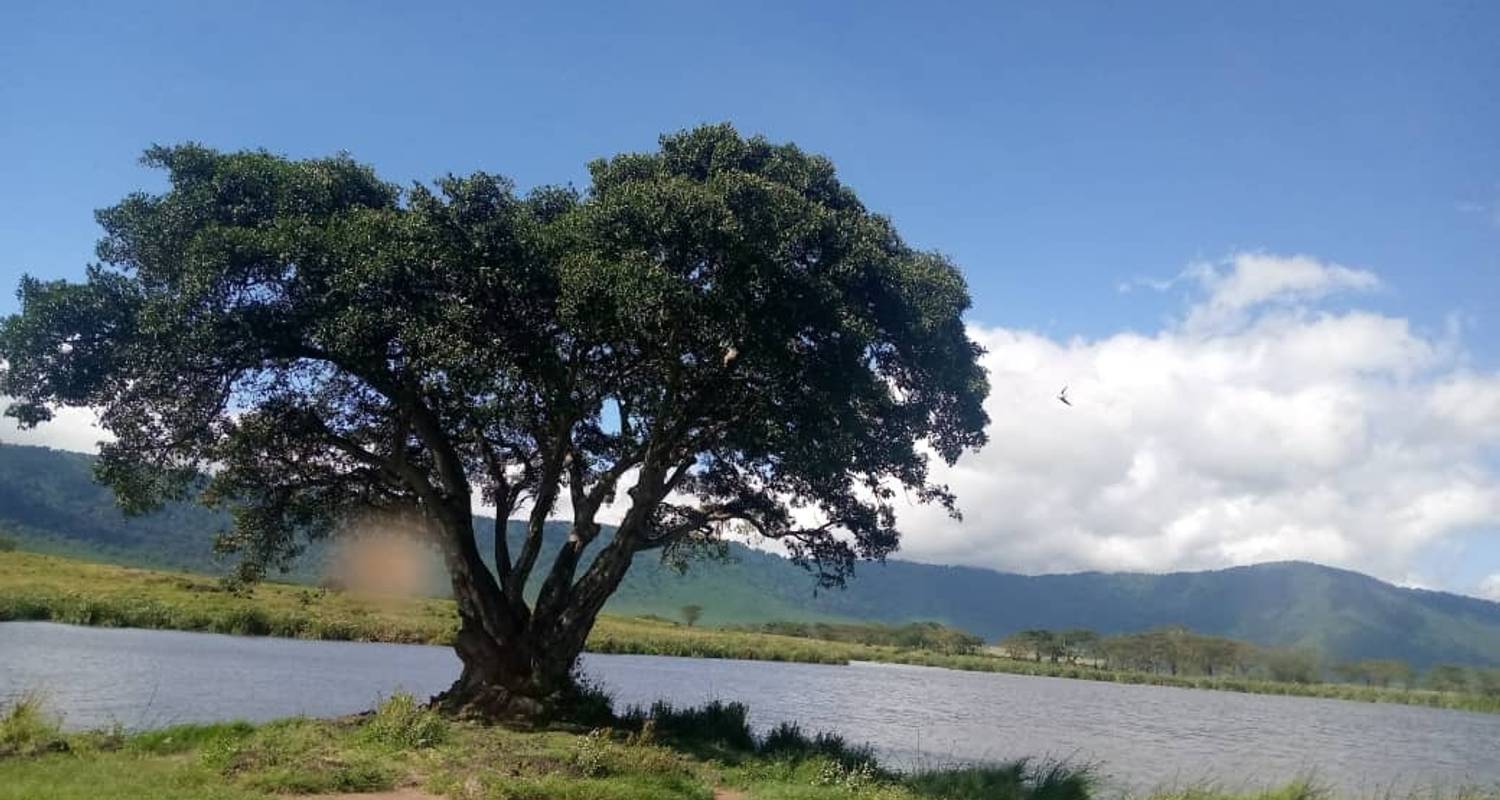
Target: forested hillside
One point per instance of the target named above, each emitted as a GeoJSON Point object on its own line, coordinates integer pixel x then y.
{"type": "Point", "coordinates": [48, 502]}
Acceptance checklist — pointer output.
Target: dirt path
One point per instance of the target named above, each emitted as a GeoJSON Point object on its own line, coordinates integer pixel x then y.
{"type": "Point", "coordinates": [728, 794]}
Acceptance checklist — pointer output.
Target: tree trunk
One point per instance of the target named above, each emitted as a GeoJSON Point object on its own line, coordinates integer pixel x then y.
{"type": "Point", "coordinates": [519, 678]}
{"type": "Point", "coordinates": [519, 664]}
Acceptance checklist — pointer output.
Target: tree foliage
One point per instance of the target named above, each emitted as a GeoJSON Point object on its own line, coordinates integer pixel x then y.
{"type": "Point", "coordinates": [721, 325]}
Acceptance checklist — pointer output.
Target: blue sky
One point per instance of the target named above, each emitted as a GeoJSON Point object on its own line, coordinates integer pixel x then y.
{"type": "Point", "coordinates": [1057, 151]}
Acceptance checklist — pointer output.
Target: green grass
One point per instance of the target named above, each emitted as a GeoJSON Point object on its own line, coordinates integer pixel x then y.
{"type": "Point", "coordinates": [44, 587]}
{"type": "Point", "coordinates": [657, 754]}
{"type": "Point", "coordinates": [660, 754]}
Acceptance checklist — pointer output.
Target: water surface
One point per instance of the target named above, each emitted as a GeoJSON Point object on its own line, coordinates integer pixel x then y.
{"type": "Point", "coordinates": [1140, 736]}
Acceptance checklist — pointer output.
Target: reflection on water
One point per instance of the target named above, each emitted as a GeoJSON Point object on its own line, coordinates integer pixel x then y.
{"type": "Point", "coordinates": [1140, 736]}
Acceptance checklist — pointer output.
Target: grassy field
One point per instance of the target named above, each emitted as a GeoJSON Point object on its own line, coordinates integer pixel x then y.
{"type": "Point", "coordinates": [42, 587]}
{"type": "Point", "coordinates": [661, 754]}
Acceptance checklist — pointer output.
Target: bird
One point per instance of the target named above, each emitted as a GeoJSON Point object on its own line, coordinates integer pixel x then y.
{"type": "Point", "coordinates": [1063, 396]}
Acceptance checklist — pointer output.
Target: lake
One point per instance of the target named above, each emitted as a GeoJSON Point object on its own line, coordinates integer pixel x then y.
{"type": "Point", "coordinates": [1139, 736]}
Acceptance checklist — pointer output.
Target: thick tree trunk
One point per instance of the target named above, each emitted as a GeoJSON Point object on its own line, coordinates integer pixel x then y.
{"type": "Point", "coordinates": [523, 677]}
{"type": "Point", "coordinates": [517, 665]}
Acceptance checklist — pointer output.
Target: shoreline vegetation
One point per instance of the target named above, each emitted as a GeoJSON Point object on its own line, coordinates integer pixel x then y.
{"type": "Point", "coordinates": [656, 753]}
{"type": "Point", "coordinates": [35, 587]}
{"type": "Point", "coordinates": [660, 753]}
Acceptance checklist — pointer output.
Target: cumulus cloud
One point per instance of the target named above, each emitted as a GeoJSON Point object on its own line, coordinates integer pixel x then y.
{"type": "Point", "coordinates": [1256, 428]}
{"type": "Point", "coordinates": [70, 429]}
{"type": "Point", "coordinates": [1249, 280]}
{"type": "Point", "coordinates": [1489, 588]}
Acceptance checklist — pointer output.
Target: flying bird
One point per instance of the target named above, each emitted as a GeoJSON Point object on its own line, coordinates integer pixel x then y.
{"type": "Point", "coordinates": [1063, 396]}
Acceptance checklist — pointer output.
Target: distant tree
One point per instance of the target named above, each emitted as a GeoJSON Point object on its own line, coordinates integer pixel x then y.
{"type": "Point", "coordinates": [1290, 664]}
{"type": "Point", "coordinates": [1389, 671]}
{"type": "Point", "coordinates": [1375, 672]}
{"type": "Point", "coordinates": [1215, 655]}
{"type": "Point", "coordinates": [7, 544]}
{"type": "Point", "coordinates": [1352, 672]}
{"type": "Point", "coordinates": [1044, 643]}
{"type": "Point", "coordinates": [720, 323]}
{"type": "Point", "coordinates": [1034, 643]}
{"type": "Point", "coordinates": [691, 613]}
{"type": "Point", "coordinates": [913, 635]}
{"type": "Point", "coordinates": [1448, 678]}
{"type": "Point", "coordinates": [1487, 681]}
{"type": "Point", "coordinates": [1078, 643]}
{"type": "Point", "coordinates": [1169, 647]}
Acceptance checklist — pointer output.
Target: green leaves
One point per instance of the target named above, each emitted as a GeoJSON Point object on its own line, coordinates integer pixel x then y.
{"type": "Point", "coordinates": [721, 318]}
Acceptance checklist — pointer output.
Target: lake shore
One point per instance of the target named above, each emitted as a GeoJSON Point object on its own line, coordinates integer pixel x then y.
{"type": "Point", "coordinates": [35, 587]}
{"type": "Point", "coordinates": [706, 753]}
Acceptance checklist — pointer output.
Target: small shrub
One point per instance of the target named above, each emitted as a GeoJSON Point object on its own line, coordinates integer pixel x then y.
{"type": "Point", "coordinates": [589, 753]}
{"type": "Point", "coordinates": [26, 728]}
{"type": "Point", "coordinates": [855, 779]}
{"type": "Point", "coordinates": [402, 723]}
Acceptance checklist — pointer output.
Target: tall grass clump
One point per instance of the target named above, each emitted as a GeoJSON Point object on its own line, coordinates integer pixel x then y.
{"type": "Point", "coordinates": [787, 741]}
{"type": "Point", "coordinates": [26, 728]}
{"type": "Point", "coordinates": [401, 723]}
{"type": "Point", "coordinates": [714, 723]}
{"type": "Point", "coordinates": [1018, 780]}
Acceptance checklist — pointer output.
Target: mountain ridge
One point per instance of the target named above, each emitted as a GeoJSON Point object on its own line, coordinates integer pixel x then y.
{"type": "Point", "coordinates": [49, 502]}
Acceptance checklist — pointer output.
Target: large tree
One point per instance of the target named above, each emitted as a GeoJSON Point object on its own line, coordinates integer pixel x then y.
{"type": "Point", "coordinates": [716, 336]}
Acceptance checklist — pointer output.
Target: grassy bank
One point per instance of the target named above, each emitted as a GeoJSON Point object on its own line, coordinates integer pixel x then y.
{"type": "Point", "coordinates": [52, 588]}
{"type": "Point", "coordinates": [658, 754]}
{"type": "Point", "coordinates": [40, 587]}
{"type": "Point", "coordinates": [1462, 701]}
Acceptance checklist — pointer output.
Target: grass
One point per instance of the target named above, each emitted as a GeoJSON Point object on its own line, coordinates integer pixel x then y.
{"type": "Point", "coordinates": [660, 753]}
{"type": "Point", "coordinates": [27, 729]}
{"type": "Point", "coordinates": [44, 587]}
{"type": "Point", "coordinates": [657, 753]}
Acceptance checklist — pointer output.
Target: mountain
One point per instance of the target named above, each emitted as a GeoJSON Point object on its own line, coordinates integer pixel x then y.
{"type": "Point", "coordinates": [49, 502]}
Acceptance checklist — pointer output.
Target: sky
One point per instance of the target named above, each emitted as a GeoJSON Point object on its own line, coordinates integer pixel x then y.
{"type": "Point", "coordinates": [1260, 242]}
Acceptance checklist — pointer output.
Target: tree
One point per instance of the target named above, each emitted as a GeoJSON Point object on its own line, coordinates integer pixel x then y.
{"type": "Point", "coordinates": [714, 335]}
{"type": "Point", "coordinates": [1034, 643]}
{"type": "Point", "coordinates": [1353, 672]}
{"type": "Point", "coordinates": [1387, 671]}
{"type": "Point", "coordinates": [1291, 664]}
{"type": "Point", "coordinates": [691, 613]}
{"type": "Point", "coordinates": [1448, 678]}
{"type": "Point", "coordinates": [1487, 681]}
{"type": "Point", "coordinates": [1375, 672]}
{"type": "Point", "coordinates": [1078, 643]}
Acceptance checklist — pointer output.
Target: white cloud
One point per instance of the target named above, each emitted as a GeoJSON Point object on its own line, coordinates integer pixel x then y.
{"type": "Point", "coordinates": [1251, 280]}
{"type": "Point", "coordinates": [70, 429]}
{"type": "Point", "coordinates": [1489, 588]}
{"type": "Point", "coordinates": [1258, 428]}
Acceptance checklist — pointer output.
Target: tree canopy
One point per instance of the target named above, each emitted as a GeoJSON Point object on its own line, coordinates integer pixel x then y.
{"type": "Point", "coordinates": [719, 325]}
